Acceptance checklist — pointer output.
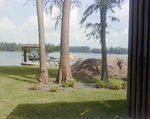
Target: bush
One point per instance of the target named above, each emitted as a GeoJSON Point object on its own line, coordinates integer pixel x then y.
{"type": "Point", "coordinates": [69, 83]}
{"type": "Point", "coordinates": [34, 86]}
{"type": "Point", "coordinates": [54, 88]}
{"type": "Point", "coordinates": [124, 85]}
{"type": "Point", "coordinates": [116, 85]}
{"type": "Point", "coordinates": [100, 84]}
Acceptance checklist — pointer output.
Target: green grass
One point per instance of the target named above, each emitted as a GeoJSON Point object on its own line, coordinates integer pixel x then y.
{"type": "Point", "coordinates": [17, 102]}
{"type": "Point", "coordinates": [87, 80]}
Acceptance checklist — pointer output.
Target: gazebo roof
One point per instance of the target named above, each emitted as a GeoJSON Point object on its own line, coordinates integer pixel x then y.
{"type": "Point", "coordinates": [30, 45]}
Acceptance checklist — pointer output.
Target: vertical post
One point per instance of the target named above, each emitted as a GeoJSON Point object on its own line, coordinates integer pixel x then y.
{"type": "Point", "coordinates": [134, 57]}
{"type": "Point", "coordinates": [130, 45]}
{"type": "Point", "coordinates": [25, 55]}
{"type": "Point", "coordinates": [138, 92]}
{"type": "Point", "coordinates": [145, 58]}
{"type": "Point", "coordinates": [22, 54]}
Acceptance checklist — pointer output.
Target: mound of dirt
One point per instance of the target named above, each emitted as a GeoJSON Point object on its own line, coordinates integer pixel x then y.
{"type": "Point", "coordinates": [90, 68]}
{"type": "Point", "coordinates": [117, 67]}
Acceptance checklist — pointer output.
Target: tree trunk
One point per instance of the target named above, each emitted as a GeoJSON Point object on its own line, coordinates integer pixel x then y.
{"type": "Point", "coordinates": [44, 77]}
{"type": "Point", "coordinates": [64, 72]}
{"type": "Point", "coordinates": [104, 75]}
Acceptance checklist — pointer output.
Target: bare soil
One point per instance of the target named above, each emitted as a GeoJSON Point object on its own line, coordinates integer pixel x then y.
{"type": "Point", "coordinates": [47, 87]}
{"type": "Point", "coordinates": [91, 68]}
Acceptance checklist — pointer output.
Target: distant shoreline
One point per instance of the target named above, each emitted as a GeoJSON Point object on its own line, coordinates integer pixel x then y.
{"type": "Point", "coordinates": [72, 52]}
{"type": "Point", "coordinates": [10, 51]}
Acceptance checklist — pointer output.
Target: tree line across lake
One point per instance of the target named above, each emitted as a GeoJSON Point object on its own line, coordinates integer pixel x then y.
{"type": "Point", "coordinates": [81, 49]}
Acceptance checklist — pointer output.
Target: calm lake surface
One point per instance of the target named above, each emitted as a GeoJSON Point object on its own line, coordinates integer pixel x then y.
{"type": "Point", "coordinates": [15, 58]}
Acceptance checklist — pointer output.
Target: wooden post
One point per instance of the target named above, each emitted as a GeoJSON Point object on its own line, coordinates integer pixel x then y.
{"type": "Point", "coordinates": [22, 54]}
{"type": "Point", "coordinates": [138, 92]}
{"type": "Point", "coordinates": [25, 55]}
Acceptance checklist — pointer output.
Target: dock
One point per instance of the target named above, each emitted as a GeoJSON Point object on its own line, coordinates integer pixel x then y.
{"type": "Point", "coordinates": [24, 54]}
{"type": "Point", "coordinates": [30, 63]}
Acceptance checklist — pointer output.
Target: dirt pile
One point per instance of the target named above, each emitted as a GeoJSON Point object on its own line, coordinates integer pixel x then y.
{"type": "Point", "coordinates": [89, 68]}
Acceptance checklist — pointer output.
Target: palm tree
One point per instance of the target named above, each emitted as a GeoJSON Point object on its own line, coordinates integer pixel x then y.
{"type": "Point", "coordinates": [98, 30]}
{"type": "Point", "coordinates": [44, 77]}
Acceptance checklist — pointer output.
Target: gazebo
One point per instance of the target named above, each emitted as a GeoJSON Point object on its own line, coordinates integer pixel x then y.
{"type": "Point", "coordinates": [24, 53]}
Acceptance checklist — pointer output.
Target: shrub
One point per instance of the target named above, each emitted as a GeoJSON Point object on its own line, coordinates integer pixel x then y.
{"type": "Point", "coordinates": [54, 88]}
{"type": "Point", "coordinates": [100, 84]}
{"type": "Point", "coordinates": [116, 85]}
{"type": "Point", "coordinates": [34, 86]}
{"type": "Point", "coordinates": [69, 83]}
{"type": "Point", "coordinates": [124, 85]}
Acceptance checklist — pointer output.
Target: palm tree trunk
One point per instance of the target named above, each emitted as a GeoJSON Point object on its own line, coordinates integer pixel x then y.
{"type": "Point", "coordinates": [44, 77]}
{"type": "Point", "coordinates": [104, 75]}
{"type": "Point", "coordinates": [64, 72]}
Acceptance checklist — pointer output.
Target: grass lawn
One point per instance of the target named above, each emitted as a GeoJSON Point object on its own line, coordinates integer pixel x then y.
{"type": "Point", "coordinates": [17, 102]}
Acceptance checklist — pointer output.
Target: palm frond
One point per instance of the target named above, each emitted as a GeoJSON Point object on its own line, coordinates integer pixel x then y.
{"type": "Point", "coordinates": [92, 8]}
{"type": "Point", "coordinates": [77, 3]}
{"type": "Point", "coordinates": [95, 30]}
{"type": "Point", "coordinates": [114, 19]}
{"type": "Point", "coordinates": [114, 3]}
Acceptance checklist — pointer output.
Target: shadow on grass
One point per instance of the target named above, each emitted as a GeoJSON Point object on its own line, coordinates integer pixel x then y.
{"type": "Point", "coordinates": [71, 110]}
{"type": "Point", "coordinates": [25, 73]}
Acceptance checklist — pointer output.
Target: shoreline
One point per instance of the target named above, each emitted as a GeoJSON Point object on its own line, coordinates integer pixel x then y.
{"type": "Point", "coordinates": [73, 52]}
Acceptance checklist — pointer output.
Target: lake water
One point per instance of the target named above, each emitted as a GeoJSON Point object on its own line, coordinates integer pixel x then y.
{"type": "Point", "coordinates": [15, 58]}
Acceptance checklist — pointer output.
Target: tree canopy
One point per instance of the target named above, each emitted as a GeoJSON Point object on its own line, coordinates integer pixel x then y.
{"type": "Point", "coordinates": [49, 48]}
{"type": "Point", "coordinates": [95, 28]}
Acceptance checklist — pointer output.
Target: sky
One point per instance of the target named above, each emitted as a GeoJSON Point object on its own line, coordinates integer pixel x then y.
{"type": "Point", "coordinates": [18, 24]}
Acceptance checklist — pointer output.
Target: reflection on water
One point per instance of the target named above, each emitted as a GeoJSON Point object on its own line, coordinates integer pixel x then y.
{"type": "Point", "coordinates": [15, 58]}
